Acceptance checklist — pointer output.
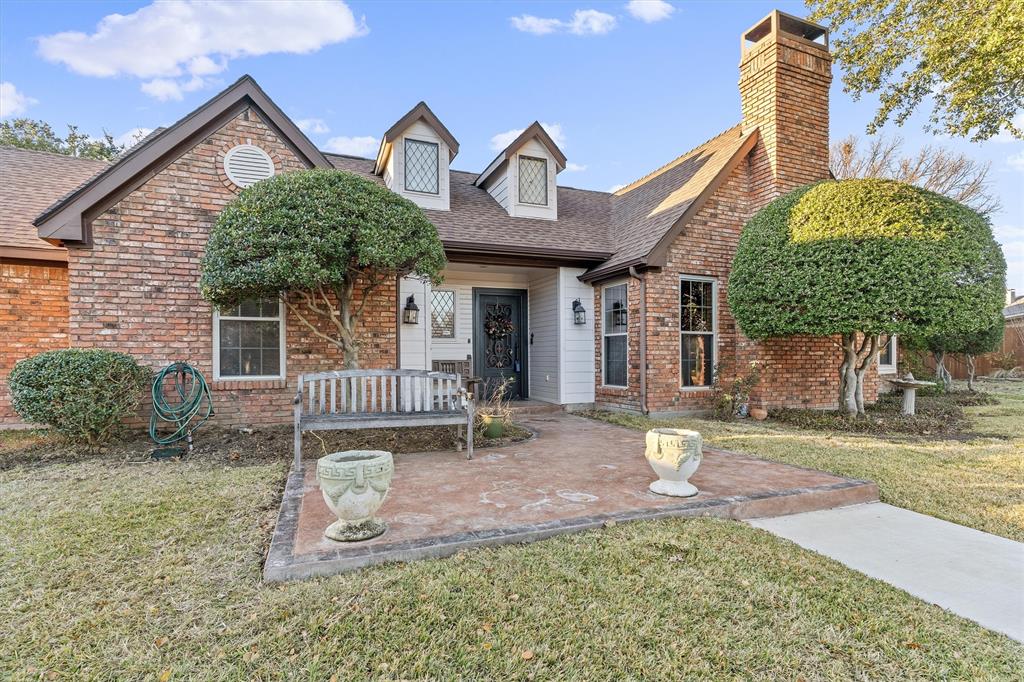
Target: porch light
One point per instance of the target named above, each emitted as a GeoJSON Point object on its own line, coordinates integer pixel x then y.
{"type": "Point", "coordinates": [579, 313]}
{"type": "Point", "coordinates": [411, 313]}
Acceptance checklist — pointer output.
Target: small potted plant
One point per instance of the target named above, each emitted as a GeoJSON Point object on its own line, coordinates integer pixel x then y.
{"type": "Point", "coordinates": [496, 413]}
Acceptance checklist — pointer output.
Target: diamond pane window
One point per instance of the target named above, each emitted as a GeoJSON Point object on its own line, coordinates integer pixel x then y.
{"type": "Point", "coordinates": [442, 314]}
{"type": "Point", "coordinates": [248, 339]}
{"type": "Point", "coordinates": [533, 181]}
{"type": "Point", "coordinates": [421, 166]}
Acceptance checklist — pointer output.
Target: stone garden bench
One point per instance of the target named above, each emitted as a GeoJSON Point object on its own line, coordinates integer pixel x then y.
{"type": "Point", "coordinates": [380, 399]}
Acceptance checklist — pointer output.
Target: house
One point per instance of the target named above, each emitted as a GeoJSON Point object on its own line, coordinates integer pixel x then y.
{"type": "Point", "coordinates": [585, 298]}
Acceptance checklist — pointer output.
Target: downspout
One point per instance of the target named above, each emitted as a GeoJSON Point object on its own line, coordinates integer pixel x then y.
{"type": "Point", "coordinates": [643, 337]}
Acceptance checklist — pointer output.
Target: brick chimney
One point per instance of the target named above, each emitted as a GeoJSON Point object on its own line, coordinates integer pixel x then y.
{"type": "Point", "coordinates": [785, 72]}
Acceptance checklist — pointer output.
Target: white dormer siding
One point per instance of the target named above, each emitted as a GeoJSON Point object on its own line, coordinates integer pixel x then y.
{"type": "Point", "coordinates": [508, 177]}
{"type": "Point", "coordinates": [519, 206]}
{"type": "Point", "coordinates": [395, 168]}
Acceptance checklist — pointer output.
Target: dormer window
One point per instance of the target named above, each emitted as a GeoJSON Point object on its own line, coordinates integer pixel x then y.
{"type": "Point", "coordinates": [533, 180]}
{"type": "Point", "coordinates": [421, 166]}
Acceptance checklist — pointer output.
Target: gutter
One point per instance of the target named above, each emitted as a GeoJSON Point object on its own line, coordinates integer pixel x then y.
{"type": "Point", "coordinates": [642, 279]}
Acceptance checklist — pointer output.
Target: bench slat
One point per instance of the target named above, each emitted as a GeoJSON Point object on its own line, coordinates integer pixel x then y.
{"type": "Point", "coordinates": [394, 397]}
{"type": "Point", "coordinates": [334, 396]}
{"type": "Point", "coordinates": [323, 395]}
{"type": "Point", "coordinates": [353, 397]}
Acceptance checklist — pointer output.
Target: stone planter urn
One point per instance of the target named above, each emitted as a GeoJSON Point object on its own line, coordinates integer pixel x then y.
{"type": "Point", "coordinates": [354, 484]}
{"type": "Point", "coordinates": [674, 454]}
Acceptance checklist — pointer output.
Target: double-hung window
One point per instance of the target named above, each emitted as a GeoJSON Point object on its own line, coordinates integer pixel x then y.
{"type": "Point", "coordinates": [249, 340]}
{"type": "Point", "coordinates": [421, 166]}
{"type": "Point", "coordinates": [615, 333]}
{"type": "Point", "coordinates": [887, 355]}
{"type": "Point", "coordinates": [698, 328]}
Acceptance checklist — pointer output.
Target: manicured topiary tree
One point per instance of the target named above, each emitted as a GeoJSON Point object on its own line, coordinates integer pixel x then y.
{"type": "Point", "coordinates": [323, 241]}
{"type": "Point", "coordinates": [861, 258]}
{"type": "Point", "coordinates": [82, 394]}
{"type": "Point", "coordinates": [969, 344]}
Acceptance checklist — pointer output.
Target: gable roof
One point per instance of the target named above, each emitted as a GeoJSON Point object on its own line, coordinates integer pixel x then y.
{"type": "Point", "coordinates": [67, 219]}
{"type": "Point", "coordinates": [419, 112]}
{"type": "Point", "coordinates": [649, 213]}
{"type": "Point", "coordinates": [29, 182]}
{"type": "Point", "coordinates": [535, 130]}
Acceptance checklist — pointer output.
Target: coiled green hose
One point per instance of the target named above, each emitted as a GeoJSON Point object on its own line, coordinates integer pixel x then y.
{"type": "Point", "coordinates": [192, 392]}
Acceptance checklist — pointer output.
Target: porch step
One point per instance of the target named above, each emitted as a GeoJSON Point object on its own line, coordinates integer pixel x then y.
{"type": "Point", "coordinates": [524, 407]}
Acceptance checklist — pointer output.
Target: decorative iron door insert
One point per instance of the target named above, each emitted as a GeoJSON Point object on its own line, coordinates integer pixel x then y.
{"type": "Point", "coordinates": [499, 354]}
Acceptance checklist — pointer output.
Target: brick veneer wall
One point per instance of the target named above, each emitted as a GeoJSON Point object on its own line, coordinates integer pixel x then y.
{"type": "Point", "coordinates": [137, 288]}
{"type": "Point", "coordinates": [33, 317]}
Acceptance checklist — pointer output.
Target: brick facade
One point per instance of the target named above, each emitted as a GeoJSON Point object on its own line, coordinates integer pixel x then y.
{"type": "Point", "coordinates": [784, 84]}
{"type": "Point", "coordinates": [136, 289]}
{"type": "Point", "coordinates": [33, 316]}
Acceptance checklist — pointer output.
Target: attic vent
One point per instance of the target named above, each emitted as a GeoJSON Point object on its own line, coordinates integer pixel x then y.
{"type": "Point", "coordinates": [247, 164]}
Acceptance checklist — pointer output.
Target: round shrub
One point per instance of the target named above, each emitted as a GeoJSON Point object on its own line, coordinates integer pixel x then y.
{"type": "Point", "coordinates": [866, 256]}
{"type": "Point", "coordinates": [83, 394]}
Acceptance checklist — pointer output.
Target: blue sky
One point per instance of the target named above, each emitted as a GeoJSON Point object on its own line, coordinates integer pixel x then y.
{"type": "Point", "coordinates": [622, 90]}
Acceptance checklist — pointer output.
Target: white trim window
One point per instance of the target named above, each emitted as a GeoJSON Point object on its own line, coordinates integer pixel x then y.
{"type": "Point", "coordinates": [533, 181]}
{"type": "Point", "coordinates": [698, 331]}
{"type": "Point", "coordinates": [422, 166]}
{"type": "Point", "coordinates": [887, 356]}
{"type": "Point", "coordinates": [615, 335]}
{"type": "Point", "coordinates": [249, 340]}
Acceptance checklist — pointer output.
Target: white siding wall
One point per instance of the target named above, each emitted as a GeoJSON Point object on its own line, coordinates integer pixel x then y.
{"type": "Point", "coordinates": [499, 189]}
{"type": "Point", "coordinates": [415, 338]}
{"type": "Point", "coordinates": [544, 326]}
{"type": "Point", "coordinates": [394, 176]}
{"type": "Point", "coordinates": [576, 364]}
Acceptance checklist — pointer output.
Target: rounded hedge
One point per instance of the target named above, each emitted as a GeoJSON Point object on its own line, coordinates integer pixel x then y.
{"type": "Point", "coordinates": [311, 229]}
{"type": "Point", "coordinates": [872, 256]}
{"type": "Point", "coordinates": [83, 394]}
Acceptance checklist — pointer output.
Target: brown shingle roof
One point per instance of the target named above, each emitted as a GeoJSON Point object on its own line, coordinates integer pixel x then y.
{"type": "Point", "coordinates": [477, 220]}
{"type": "Point", "coordinates": [30, 181]}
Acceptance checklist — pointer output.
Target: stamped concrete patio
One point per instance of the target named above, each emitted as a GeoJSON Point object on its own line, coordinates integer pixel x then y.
{"type": "Point", "coordinates": [576, 474]}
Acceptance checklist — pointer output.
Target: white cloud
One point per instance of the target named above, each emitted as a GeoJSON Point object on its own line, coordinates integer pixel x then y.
{"type": "Point", "coordinates": [1016, 161]}
{"type": "Point", "coordinates": [130, 138]}
{"type": "Point", "coordinates": [176, 46]}
{"type": "Point", "coordinates": [313, 126]}
{"type": "Point", "coordinates": [584, 22]}
{"type": "Point", "coordinates": [571, 167]}
{"type": "Point", "coordinates": [535, 25]}
{"type": "Point", "coordinates": [650, 11]}
{"type": "Point", "coordinates": [13, 102]}
{"type": "Point", "coordinates": [616, 188]}
{"type": "Point", "coordinates": [355, 146]}
{"type": "Point", "coordinates": [502, 140]}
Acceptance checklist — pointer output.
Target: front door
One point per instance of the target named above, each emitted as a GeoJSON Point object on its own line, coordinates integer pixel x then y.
{"type": "Point", "coordinates": [499, 327]}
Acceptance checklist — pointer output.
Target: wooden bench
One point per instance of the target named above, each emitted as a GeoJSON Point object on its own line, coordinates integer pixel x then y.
{"type": "Point", "coordinates": [380, 399]}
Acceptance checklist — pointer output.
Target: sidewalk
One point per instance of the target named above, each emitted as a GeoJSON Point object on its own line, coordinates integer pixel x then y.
{"type": "Point", "coordinates": [973, 574]}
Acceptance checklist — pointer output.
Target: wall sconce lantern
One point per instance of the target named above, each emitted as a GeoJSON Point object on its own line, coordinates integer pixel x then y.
{"type": "Point", "coordinates": [579, 313]}
{"type": "Point", "coordinates": [411, 313]}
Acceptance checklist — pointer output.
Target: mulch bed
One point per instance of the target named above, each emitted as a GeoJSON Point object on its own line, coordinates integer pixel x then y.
{"type": "Point", "coordinates": [248, 446]}
{"type": "Point", "coordinates": [938, 415]}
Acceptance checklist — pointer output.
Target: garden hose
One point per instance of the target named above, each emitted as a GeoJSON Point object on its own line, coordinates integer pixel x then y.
{"type": "Point", "coordinates": [193, 394]}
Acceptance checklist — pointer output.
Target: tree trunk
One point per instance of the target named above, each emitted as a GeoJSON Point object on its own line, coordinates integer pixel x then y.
{"type": "Point", "coordinates": [940, 370]}
{"type": "Point", "coordinates": [866, 360]}
{"type": "Point", "coordinates": [847, 376]}
{"type": "Point", "coordinates": [970, 372]}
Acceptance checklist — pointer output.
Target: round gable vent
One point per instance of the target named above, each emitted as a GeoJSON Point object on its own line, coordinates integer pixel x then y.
{"type": "Point", "coordinates": [247, 164]}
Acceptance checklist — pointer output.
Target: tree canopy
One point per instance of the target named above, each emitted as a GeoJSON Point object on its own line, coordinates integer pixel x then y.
{"type": "Point", "coordinates": [38, 135]}
{"type": "Point", "coordinates": [323, 241]}
{"type": "Point", "coordinates": [861, 258]}
{"type": "Point", "coordinates": [964, 56]}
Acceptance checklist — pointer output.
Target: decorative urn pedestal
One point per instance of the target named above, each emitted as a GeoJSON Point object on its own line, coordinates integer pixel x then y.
{"type": "Point", "coordinates": [674, 454]}
{"type": "Point", "coordinates": [354, 484]}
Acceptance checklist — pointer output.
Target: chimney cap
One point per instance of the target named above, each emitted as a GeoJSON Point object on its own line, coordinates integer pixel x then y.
{"type": "Point", "coordinates": [794, 27]}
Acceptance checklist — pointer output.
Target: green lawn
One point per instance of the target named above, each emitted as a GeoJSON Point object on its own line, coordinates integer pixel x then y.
{"type": "Point", "coordinates": [119, 570]}
{"type": "Point", "coordinates": [976, 481]}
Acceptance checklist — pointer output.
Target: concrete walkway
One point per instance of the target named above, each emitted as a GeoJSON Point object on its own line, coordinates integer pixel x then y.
{"type": "Point", "coordinates": [973, 574]}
